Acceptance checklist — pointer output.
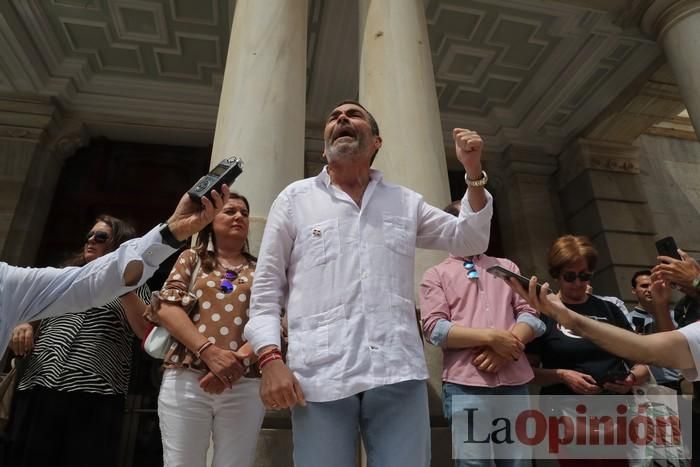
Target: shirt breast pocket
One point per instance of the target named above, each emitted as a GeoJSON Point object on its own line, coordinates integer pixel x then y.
{"type": "Point", "coordinates": [321, 243]}
{"type": "Point", "coordinates": [399, 234]}
{"type": "Point", "coordinates": [323, 336]}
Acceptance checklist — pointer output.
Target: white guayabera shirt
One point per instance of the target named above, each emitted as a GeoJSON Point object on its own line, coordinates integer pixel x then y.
{"type": "Point", "coordinates": [27, 294]}
{"type": "Point", "coordinates": [345, 276]}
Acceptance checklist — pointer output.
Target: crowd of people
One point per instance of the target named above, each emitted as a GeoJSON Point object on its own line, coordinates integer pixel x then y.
{"type": "Point", "coordinates": [334, 281]}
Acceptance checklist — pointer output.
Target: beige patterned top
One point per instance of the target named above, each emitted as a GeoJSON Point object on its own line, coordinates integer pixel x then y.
{"type": "Point", "coordinates": [217, 315]}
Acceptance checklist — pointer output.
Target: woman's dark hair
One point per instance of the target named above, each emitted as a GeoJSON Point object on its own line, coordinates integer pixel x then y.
{"type": "Point", "coordinates": [121, 232]}
{"type": "Point", "coordinates": [207, 257]}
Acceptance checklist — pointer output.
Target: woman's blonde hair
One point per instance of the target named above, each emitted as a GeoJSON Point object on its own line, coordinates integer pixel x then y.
{"type": "Point", "coordinates": [569, 249]}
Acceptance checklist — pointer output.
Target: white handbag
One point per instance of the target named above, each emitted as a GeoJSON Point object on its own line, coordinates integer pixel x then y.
{"type": "Point", "coordinates": [158, 341]}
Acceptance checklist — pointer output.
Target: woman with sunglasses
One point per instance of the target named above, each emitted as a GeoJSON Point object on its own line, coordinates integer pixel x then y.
{"type": "Point", "coordinates": [70, 397]}
{"type": "Point", "coordinates": [210, 385]}
{"type": "Point", "coordinates": [566, 364]}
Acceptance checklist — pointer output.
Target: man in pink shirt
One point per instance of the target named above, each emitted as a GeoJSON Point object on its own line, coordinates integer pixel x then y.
{"type": "Point", "coordinates": [482, 327]}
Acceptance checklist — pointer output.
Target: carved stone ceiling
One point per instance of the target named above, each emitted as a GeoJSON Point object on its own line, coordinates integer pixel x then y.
{"type": "Point", "coordinates": [522, 72]}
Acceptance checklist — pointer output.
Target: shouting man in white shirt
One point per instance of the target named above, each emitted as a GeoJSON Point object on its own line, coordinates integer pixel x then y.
{"type": "Point", "coordinates": [338, 253]}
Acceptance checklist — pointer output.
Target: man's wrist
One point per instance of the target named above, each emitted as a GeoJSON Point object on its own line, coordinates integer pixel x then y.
{"type": "Point", "coordinates": [473, 172]}
{"type": "Point", "coordinates": [171, 236]}
{"type": "Point", "coordinates": [267, 349]}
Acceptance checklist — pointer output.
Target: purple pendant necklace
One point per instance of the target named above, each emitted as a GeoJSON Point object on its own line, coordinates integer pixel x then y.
{"type": "Point", "coordinates": [226, 284]}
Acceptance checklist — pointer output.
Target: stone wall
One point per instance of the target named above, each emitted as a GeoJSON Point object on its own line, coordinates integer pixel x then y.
{"type": "Point", "coordinates": [670, 173]}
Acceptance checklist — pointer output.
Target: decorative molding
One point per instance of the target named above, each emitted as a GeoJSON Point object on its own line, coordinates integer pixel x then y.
{"type": "Point", "coordinates": [528, 161]}
{"type": "Point", "coordinates": [122, 9]}
{"type": "Point", "coordinates": [109, 55]}
{"type": "Point", "coordinates": [176, 7]}
{"type": "Point", "coordinates": [662, 15]}
{"type": "Point", "coordinates": [193, 65]}
{"type": "Point", "coordinates": [586, 154]}
{"type": "Point", "coordinates": [66, 145]}
{"type": "Point", "coordinates": [17, 133]}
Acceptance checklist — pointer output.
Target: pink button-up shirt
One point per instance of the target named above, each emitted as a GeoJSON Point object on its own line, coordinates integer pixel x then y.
{"type": "Point", "coordinates": [487, 302]}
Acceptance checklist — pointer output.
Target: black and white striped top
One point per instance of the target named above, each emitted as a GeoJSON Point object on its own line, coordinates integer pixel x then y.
{"type": "Point", "coordinates": [89, 351]}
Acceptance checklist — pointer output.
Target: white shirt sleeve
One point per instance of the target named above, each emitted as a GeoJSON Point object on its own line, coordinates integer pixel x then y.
{"type": "Point", "coordinates": [465, 235]}
{"type": "Point", "coordinates": [270, 284]}
{"type": "Point", "coordinates": [692, 335]}
{"type": "Point", "coordinates": [27, 294]}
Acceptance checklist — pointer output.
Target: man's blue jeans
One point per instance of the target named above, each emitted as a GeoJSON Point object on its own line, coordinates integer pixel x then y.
{"type": "Point", "coordinates": [475, 395]}
{"type": "Point", "coordinates": [393, 421]}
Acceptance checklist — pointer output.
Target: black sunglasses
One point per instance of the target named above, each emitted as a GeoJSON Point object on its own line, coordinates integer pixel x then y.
{"type": "Point", "coordinates": [100, 236]}
{"type": "Point", "coordinates": [570, 276]}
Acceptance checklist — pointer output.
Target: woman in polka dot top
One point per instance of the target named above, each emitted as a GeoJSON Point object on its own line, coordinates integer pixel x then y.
{"type": "Point", "coordinates": [210, 385]}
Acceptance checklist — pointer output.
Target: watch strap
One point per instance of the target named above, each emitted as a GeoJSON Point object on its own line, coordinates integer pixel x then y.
{"type": "Point", "coordinates": [478, 182]}
{"type": "Point", "coordinates": [168, 238]}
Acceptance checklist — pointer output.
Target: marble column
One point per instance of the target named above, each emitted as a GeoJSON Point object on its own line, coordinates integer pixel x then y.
{"type": "Point", "coordinates": [34, 142]}
{"type": "Point", "coordinates": [397, 85]}
{"type": "Point", "coordinates": [262, 107]}
{"type": "Point", "coordinates": [528, 207]}
{"type": "Point", "coordinates": [601, 196]}
{"type": "Point", "coordinates": [676, 25]}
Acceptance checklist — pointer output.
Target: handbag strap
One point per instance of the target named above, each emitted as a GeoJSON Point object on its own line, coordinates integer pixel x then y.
{"type": "Point", "coordinates": [195, 272]}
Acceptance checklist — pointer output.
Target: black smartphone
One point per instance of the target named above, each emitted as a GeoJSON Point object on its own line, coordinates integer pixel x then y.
{"type": "Point", "coordinates": [613, 376]}
{"type": "Point", "coordinates": [503, 273]}
{"type": "Point", "coordinates": [667, 247]}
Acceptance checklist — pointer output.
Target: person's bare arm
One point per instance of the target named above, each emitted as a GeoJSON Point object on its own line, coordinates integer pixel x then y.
{"type": "Point", "coordinates": [502, 342]}
{"type": "Point", "coordinates": [663, 349]}
{"type": "Point", "coordinates": [523, 332]}
{"type": "Point", "coordinates": [468, 146]}
{"type": "Point", "coordinates": [133, 309]}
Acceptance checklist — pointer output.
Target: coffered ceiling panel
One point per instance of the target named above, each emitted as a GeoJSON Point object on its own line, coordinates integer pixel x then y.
{"type": "Point", "coordinates": [529, 72]}
{"type": "Point", "coordinates": [523, 72]}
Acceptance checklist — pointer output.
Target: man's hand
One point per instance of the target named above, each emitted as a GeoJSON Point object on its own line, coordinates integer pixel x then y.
{"type": "Point", "coordinates": [505, 344]}
{"type": "Point", "coordinates": [660, 295]}
{"type": "Point", "coordinates": [681, 272]}
{"type": "Point", "coordinates": [468, 146]}
{"type": "Point", "coordinates": [580, 383]}
{"type": "Point", "coordinates": [224, 364]}
{"type": "Point", "coordinates": [22, 339]}
{"type": "Point", "coordinates": [190, 217]}
{"type": "Point", "coordinates": [489, 361]}
{"type": "Point", "coordinates": [279, 388]}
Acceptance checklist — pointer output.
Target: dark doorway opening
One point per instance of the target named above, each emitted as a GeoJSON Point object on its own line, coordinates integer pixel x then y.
{"type": "Point", "coordinates": [140, 183]}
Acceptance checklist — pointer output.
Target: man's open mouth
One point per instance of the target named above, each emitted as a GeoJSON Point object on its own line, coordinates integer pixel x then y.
{"type": "Point", "coordinates": [345, 132]}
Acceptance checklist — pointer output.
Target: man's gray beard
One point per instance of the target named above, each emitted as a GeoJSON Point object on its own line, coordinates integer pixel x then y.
{"type": "Point", "coordinates": [345, 150]}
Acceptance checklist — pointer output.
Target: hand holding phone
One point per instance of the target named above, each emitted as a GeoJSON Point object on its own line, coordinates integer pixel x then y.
{"type": "Point", "coordinates": [225, 172]}
{"type": "Point", "coordinates": [506, 274]}
{"type": "Point", "coordinates": [667, 247]}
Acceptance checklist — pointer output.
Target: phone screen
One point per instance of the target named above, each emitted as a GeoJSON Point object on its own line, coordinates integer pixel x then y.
{"type": "Point", "coordinates": [667, 247]}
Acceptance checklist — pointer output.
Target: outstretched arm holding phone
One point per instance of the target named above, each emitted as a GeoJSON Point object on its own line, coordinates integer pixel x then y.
{"type": "Point", "coordinates": [664, 349]}
{"type": "Point", "coordinates": [27, 294]}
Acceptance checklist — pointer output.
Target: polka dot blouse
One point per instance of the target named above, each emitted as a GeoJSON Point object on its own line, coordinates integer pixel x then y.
{"type": "Point", "coordinates": [219, 316]}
